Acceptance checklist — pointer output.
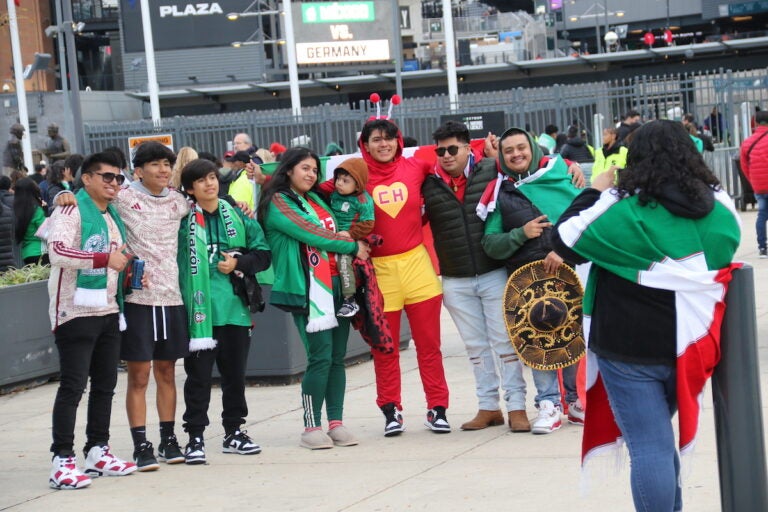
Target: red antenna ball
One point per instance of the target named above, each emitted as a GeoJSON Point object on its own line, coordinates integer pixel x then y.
{"type": "Point", "coordinates": [375, 97]}
{"type": "Point", "coordinates": [395, 100]}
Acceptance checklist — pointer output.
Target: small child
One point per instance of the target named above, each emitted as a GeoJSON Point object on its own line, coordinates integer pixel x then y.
{"type": "Point", "coordinates": [353, 208]}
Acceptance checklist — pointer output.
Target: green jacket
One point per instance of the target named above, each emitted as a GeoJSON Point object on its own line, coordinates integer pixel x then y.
{"type": "Point", "coordinates": [226, 307]}
{"type": "Point", "coordinates": [31, 246]}
{"type": "Point", "coordinates": [289, 229]}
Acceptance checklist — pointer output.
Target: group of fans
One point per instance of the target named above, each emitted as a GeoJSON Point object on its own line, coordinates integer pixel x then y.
{"type": "Point", "coordinates": [352, 250]}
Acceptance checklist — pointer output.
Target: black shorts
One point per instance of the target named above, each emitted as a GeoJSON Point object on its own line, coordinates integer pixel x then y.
{"type": "Point", "coordinates": [155, 333]}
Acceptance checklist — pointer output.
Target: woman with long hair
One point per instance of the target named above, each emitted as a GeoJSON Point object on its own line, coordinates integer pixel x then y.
{"type": "Point", "coordinates": [59, 178]}
{"type": "Point", "coordinates": [661, 242]}
{"type": "Point", "coordinates": [29, 216]}
{"type": "Point", "coordinates": [183, 157]}
{"type": "Point", "coordinates": [301, 230]}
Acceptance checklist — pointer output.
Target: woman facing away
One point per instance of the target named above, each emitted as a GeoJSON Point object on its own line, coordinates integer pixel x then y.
{"type": "Point", "coordinates": [661, 241]}
{"type": "Point", "coordinates": [301, 230]}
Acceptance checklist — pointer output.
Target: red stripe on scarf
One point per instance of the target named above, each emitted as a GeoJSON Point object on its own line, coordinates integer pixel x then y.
{"type": "Point", "coordinates": [696, 364]}
{"type": "Point", "coordinates": [694, 367]}
{"type": "Point", "coordinates": [600, 427]}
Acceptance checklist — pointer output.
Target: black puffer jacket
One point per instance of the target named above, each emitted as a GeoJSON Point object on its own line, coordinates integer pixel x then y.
{"type": "Point", "coordinates": [7, 243]}
{"type": "Point", "coordinates": [457, 229]}
{"type": "Point", "coordinates": [519, 210]}
{"type": "Point", "coordinates": [576, 149]}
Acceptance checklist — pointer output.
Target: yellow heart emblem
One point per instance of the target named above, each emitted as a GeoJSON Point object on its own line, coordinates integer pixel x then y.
{"type": "Point", "coordinates": [391, 198]}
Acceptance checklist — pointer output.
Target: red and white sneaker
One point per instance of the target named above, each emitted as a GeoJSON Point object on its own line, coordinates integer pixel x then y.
{"type": "Point", "coordinates": [65, 475]}
{"type": "Point", "coordinates": [576, 413]}
{"type": "Point", "coordinates": [100, 462]}
{"type": "Point", "coordinates": [548, 419]}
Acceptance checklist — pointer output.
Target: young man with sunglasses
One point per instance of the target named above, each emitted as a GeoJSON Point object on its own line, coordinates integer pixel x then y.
{"type": "Point", "coordinates": [88, 256]}
{"type": "Point", "coordinates": [156, 335]}
{"type": "Point", "coordinates": [473, 283]}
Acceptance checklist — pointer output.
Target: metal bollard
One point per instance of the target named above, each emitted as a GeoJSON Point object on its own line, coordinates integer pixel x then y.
{"type": "Point", "coordinates": [737, 403]}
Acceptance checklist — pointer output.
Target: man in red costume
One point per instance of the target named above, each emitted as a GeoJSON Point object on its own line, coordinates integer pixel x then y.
{"type": "Point", "coordinates": [405, 274]}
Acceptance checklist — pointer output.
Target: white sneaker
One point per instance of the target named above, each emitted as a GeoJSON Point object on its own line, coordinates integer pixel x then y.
{"type": "Point", "coordinates": [65, 475]}
{"type": "Point", "coordinates": [548, 419]}
{"type": "Point", "coordinates": [100, 462]}
{"type": "Point", "coordinates": [576, 413]}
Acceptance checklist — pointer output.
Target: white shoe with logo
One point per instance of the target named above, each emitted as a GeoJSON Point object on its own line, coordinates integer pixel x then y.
{"type": "Point", "coordinates": [548, 419]}
{"type": "Point", "coordinates": [100, 462]}
{"type": "Point", "coordinates": [65, 475]}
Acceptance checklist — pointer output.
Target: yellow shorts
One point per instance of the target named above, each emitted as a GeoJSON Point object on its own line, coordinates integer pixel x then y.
{"type": "Point", "coordinates": [406, 278]}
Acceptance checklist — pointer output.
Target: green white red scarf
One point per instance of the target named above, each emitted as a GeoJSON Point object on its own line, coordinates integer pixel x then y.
{"type": "Point", "coordinates": [322, 312]}
{"type": "Point", "coordinates": [643, 245]}
{"type": "Point", "coordinates": [194, 274]}
{"type": "Point", "coordinates": [549, 188]}
{"type": "Point", "coordinates": [94, 235]}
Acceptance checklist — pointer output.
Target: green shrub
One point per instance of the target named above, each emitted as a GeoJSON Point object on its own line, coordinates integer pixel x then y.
{"type": "Point", "coordinates": [26, 274]}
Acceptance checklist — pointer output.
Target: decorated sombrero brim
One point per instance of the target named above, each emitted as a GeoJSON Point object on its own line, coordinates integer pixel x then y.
{"type": "Point", "coordinates": [543, 315]}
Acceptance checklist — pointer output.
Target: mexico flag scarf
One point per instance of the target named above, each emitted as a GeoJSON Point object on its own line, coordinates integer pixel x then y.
{"type": "Point", "coordinates": [550, 189]}
{"type": "Point", "coordinates": [92, 282]}
{"type": "Point", "coordinates": [652, 247]}
{"type": "Point", "coordinates": [321, 308]}
{"type": "Point", "coordinates": [194, 273]}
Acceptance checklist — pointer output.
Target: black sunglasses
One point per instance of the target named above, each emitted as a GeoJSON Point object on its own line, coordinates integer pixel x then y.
{"type": "Point", "coordinates": [452, 150]}
{"type": "Point", "coordinates": [109, 176]}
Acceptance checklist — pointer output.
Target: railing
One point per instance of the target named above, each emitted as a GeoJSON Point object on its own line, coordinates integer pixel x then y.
{"type": "Point", "coordinates": [654, 97]}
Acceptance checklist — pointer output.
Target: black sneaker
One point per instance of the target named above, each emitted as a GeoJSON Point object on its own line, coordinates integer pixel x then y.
{"type": "Point", "coordinates": [763, 253]}
{"type": "Point", "coordinates": [348, 309]}
{"type": "Point", "coordinates": [144, 457]}
{"type": "Point", "coordinates": [436, 421]}
{"type": "Point", "coordinates": [393, 420]}
{"type": "Point", "coordinates": [194, 453]}
{"type": "Point", "coordinates": [169, 451]}
{"type": "Point", "coordinates": [239, 442]}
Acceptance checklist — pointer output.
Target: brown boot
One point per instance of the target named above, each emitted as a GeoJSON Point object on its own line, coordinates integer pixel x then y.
{"type": "Point", "coordinates": [484, 419]}
{"type": "Point", "coordinates": [518, 421]}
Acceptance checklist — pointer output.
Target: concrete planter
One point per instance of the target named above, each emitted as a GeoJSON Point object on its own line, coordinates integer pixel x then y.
{"type": "Point", "coordinates": [27, 349]}
{"type": "Point", "coordinates": [28, 352]}
{"type": "Point", "coordinates": [277, 353]}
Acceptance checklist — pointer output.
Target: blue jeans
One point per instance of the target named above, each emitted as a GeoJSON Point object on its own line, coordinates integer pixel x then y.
{"type": "Point", "coordinates": [475, 305]}
{"type": "Point", "coordinates": [643, 400]}
{"type": "Point", "coordinates": [762, 218]}
{"type": "Point", "coordinates": [547, 386]}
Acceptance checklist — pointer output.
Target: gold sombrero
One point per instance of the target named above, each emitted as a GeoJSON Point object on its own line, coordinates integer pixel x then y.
{"type": "Point", "coordinates": [543, 316]}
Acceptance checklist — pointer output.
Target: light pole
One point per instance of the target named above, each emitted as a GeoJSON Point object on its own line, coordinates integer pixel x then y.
{"type": "Point", "coordinates": [63, 71]}
{"type": "Point", "coordinates": [397, 48]}
{"type": "Point", "coordinates": [21, 93]}
{"type": "Point", "coordinates": [293, 67]}
{"type": "Point", "coordinates": [149, 52]}
{"type": "Point", "coordinates": [450, 56]}
{"type": "Point", "coordinates": [598, 46]}
{"type": "Point", "coordinates": [74, 84]}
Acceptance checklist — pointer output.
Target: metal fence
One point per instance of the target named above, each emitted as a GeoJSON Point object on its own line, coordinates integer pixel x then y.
{"type": "Point", "coordinates": [732, 94]}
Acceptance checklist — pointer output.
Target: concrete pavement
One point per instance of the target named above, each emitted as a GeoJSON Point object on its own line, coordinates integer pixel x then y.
{"type": "Point", "coordinates": [491, 469]}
